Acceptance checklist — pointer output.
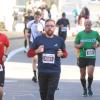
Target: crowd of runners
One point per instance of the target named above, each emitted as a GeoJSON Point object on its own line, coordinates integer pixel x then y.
{"type": "Point", "coordinates": [47, 49]}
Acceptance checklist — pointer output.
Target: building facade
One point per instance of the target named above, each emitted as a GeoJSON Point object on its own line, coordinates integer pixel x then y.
{"type": "Point", "coordinates": [7, 7]}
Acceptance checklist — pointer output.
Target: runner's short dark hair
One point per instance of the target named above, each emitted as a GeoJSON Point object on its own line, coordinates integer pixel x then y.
{"type": "Point", "coordinates": [49, 20]}
{"type": "Point", "coordinates": [37, 13]}
{"type": "Point", "coordinates": [63, 14]}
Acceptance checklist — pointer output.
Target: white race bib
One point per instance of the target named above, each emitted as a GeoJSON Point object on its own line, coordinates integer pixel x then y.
{"type": "Point", "coordinates": [1, 68]}
{"type": "Point", "coordinates": [64, 29]}
{"type": "Point", "coordinates": [48, 58]}
{"type": "Point", "coordinates": [90, 52]}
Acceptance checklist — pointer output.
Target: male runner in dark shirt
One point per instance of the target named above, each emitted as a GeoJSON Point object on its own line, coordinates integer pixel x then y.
{"type": "Point", "coordinates": [50, 49]}
{"type": "Point", "coordinates": [63, 24]}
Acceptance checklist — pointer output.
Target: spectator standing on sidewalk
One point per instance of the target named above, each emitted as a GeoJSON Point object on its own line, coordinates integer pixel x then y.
{"type": "Point", "coordinates": [4, 44]}
{"type": "Point", "coordinates": [75, 14]}
{"type": "Point", "coordinates": [63, 24]}
{"type": "Point", "coordinates": [15, 19]}
{"type": "Point", "coordinates": [50, 49]}
{"type": "Point", "coordinates": [36, 27]}
{"type": "Point", "coordinates": [84, 14]}
{"type": "Point", "coordinates": [87, 41]}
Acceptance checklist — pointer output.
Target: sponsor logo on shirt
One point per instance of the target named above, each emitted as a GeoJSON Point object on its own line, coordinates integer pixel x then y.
{"type": "Point", "coordinates": [56, 45]}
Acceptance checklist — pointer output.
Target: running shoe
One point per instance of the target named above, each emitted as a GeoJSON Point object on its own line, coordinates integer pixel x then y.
{"type": "Point", "coordinates": [34, 79]}
{"type": "Point", "coordinates": [90, 93]}
{"type": "Point", "coordinates": [84, 93]}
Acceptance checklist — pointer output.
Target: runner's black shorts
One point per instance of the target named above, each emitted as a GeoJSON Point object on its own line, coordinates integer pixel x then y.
{"type": "Point", "coordinates": [2, 77]}
{"type": "Point", "coordinates": [84, 62]}
{"type": "Point", "coordinates": [63, 35]}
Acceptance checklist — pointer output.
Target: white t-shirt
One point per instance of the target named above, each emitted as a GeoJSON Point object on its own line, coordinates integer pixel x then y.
{"type": "Point", "coordinates": [36, 28]}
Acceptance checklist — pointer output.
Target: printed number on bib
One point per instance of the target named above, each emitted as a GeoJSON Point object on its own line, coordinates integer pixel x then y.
{"type": "Point", "coordinates": [48, 58]}
{"type": "Point", "coordinates": [1, 68]}
{"type": "Point", "coordinates": [90, 52]}
{"type": "Point", "coordinates": [64, 29]}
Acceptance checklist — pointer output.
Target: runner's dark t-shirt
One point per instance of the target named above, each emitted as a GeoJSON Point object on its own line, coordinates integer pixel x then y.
{"type": "Point", "coordinates": [62, 32]}
{"type": "Point", "coordinates": [48, 61]}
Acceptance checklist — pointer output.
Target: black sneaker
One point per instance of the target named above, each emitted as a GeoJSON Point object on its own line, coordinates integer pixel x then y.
{"type": "Point", "coordinates": [34, 79]}
{"type": "Point", "coordinates": [90, 93]}
{"type": "Point", "coordinates": [84, 93]}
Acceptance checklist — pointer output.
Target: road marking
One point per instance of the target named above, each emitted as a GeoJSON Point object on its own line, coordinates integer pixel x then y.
{"type": "Point", "coordinates": [68, 71]}
{"type": "Point", "coordinates": [19, 70]}
{"type": "Point", "coordinates": [11, 81]}
{"type": "Point", "coordinates": [14, 52]}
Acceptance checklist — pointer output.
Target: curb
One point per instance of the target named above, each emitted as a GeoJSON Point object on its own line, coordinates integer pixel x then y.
{"type": "Point", "coordinates": [13, 35]}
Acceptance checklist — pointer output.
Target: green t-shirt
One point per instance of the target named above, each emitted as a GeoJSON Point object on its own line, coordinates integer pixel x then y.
{"type": "Point", "coordinates": [87, 50]}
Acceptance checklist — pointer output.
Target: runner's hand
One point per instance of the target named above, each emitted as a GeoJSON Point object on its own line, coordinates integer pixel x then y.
{"type": "Point", "coordinates": [59, 53]}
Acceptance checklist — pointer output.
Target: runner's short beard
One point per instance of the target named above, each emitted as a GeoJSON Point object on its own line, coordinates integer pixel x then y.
{"type": "Point", "coordinates": [49, 32]}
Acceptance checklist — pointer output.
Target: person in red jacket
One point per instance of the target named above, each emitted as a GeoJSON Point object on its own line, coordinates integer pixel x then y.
{"type": "Point", "coordinates": [4, 44]}
{"type": "Point", "coordinates": [49, 48]}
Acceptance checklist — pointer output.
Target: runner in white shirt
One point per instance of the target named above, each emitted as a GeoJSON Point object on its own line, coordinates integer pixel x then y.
{"type": "Point", "coordinates": [36, 26]}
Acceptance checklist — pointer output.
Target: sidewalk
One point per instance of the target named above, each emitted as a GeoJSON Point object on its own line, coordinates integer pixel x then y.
{"type": "Point", "coordinates": [13, 35]}
{"type": "Point", "coordinates": [20, 33]}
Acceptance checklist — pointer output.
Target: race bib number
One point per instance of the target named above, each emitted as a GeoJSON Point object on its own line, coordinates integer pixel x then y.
{"type": "Point", "coordinates": [48, 58]}
{"type": "Point", "coordinates": [90, 52]}
{"type": "Point", "coordinates": [1, 68]}
{"type": "Point", "coordinates": [64, 29]}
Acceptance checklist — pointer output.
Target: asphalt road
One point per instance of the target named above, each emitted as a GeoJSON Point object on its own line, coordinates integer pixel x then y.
{"type": "Point", "coordinates": [18, 84]}
{"type": "Point", "coordinates": [17, 43]}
